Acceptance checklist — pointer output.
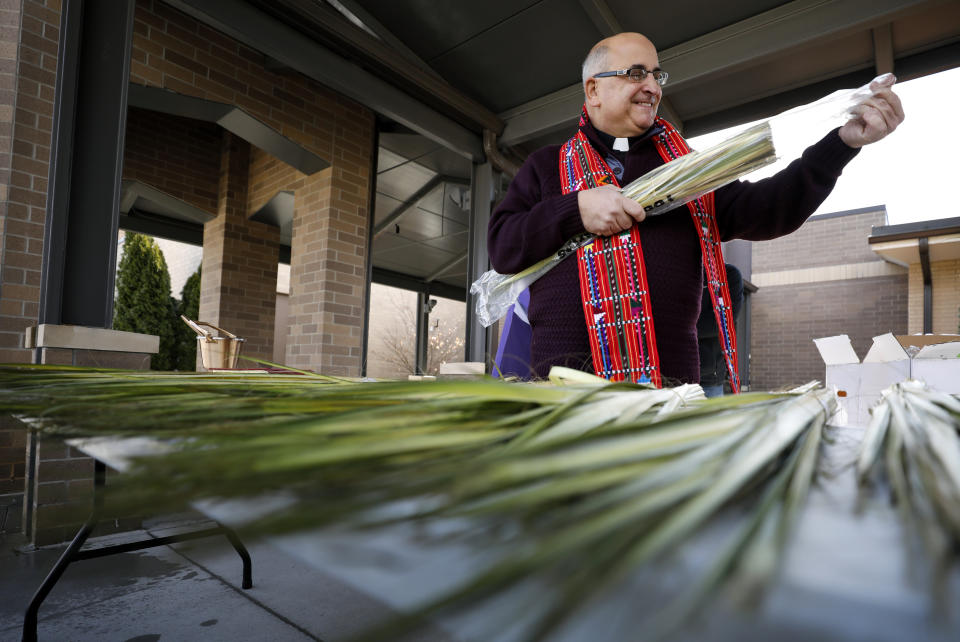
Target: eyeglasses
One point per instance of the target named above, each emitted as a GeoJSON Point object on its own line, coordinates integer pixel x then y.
{"type": "Point", "coordinates": [637, 74]}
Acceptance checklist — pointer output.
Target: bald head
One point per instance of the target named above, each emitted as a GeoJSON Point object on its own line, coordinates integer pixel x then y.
{"type": "Point", "coordinates": [618, 105]}
{"type": "Point", "coordinates": [596, 60]}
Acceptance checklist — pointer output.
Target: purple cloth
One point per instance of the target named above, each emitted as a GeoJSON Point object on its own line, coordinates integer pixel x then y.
{"type": "Point", "coordinates": [535, 218]}
{"type": "Point", "coordinates": [513, 353]}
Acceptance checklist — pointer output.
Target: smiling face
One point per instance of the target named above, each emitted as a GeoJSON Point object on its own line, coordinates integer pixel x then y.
{"type": "Point", "coordinates": [617, 105]}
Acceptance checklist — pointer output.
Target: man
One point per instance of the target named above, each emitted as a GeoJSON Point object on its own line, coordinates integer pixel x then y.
{"type": "Point", "coordinates": [558, 195]}
{"type": "Point", "coordinates": [713, 370]}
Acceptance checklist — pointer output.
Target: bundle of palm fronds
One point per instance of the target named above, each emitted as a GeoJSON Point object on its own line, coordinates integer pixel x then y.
{"type": "Point", "coordinates": [913, 442]}
{"type": "Point", "coordinates": [660, 190]}
{"type": "Point", "coordinates": [573, 486]}
{"type": "Point", "coordinates": [692, 175]}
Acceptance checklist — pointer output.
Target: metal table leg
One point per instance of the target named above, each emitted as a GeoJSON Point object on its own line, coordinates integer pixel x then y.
{"type": "Point", "coordinates": [68, 556]}
{"type": "Point", "coordinates": [74, 554]}
{"type": "Point", "coordinates": [244, 556]}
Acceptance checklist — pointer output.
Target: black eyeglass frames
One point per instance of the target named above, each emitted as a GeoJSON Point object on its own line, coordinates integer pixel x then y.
{"type": "Point", "coordinates": [637, 74]}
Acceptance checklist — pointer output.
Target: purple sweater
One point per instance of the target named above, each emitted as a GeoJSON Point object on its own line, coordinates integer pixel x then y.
{"type": "Point", "coordinates": [535, 219]}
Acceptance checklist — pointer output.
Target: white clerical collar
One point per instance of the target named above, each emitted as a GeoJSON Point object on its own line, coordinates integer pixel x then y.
{"type": "Point", "coordinates": [621, 144]}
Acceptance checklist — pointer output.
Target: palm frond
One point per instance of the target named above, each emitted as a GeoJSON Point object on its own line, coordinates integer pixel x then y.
{"type": "Point", "coordinates": [574, 485]}
{"type": "Point", "coordinates": [913, 443]}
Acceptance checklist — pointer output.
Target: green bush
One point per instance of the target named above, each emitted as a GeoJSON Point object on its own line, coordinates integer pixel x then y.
{"type": "Point", "coordinates": [143, 302]}
{"type": "Point", "coordinates": [189, 306]}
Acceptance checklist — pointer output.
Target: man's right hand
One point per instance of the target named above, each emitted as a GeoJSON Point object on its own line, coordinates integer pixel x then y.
{"type": "Point", "coordinates": [606, 212]}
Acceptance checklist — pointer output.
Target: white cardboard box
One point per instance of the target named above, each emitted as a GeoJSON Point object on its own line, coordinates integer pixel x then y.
{"type": "Point", "coordinates": [939, 366]}
{"type": "Point", "coordinates": [843, 375]}
{"type": "Point", "coordinates": [934, 359]}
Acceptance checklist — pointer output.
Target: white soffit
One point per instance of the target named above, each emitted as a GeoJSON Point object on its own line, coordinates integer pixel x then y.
{"type": "Point", "coordinates": [905, 252]}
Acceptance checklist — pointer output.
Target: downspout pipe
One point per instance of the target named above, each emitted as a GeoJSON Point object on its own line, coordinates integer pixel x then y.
{"type": "Point", "coordinates": [924, 246]}
{"type": "Point", "coordinates": [496, 158]}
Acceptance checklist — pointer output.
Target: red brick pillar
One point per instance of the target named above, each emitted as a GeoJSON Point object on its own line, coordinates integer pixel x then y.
{"type": "Point", "coordinates": [29, 36]}
{"type": "Point", "coordinates": [13, 442]}
{"type": "Point", "coordinates": [61, 491]}
{"type": "Point", "coordinates": [328, 256]}
{"type": "Point", "coordinates": [238, 289]}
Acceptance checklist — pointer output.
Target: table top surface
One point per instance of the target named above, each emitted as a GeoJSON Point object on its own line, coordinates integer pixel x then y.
{"type": "Point", "coordinates": [846, 575]}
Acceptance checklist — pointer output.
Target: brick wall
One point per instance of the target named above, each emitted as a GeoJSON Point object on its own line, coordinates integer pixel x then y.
{"type": "Point", "coordinates": [269, 175]}
{"type": "Point", "coordinates": [63, 488]}
{"type": "Point", "coordinates": [787, 319]}
{"type": "Point", "coordinates": [13, 441]}
{"type": "Point", "coordinates": [238, 288]}
{"type": "Point", "coordinates": [820, 281]}
{"type": "Point", "coordinates": [328, 271]}
{"type": "Point", "coordinates": [178, 156]}
{"type": "Point", "coordinates": [945, 276]}
{"type": "Point", "coordinates": [184, 158]}
{"type": "Point", "coordinates": [173, 51]}
{"type": "Point", "coordinates": [328, 266]}
{"type": "Point", "coordinates": [29, 35]}
{"type": "Point", "coordinates": [819, 242]}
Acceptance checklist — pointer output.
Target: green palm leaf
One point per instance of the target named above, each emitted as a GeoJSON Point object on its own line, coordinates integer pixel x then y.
{"type": "Point", "coordinates": [592, 480]}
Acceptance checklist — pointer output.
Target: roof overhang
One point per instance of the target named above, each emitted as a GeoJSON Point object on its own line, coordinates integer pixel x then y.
{"type": "Point", "coordinates": [900, 244]}
{"type": "Point", "coordinates": [907, 252]}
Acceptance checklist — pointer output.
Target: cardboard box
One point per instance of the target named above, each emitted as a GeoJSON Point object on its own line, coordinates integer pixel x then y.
{"type": "Point", "coordinates": [843, 375]}
{"type": "Point", "coordinates": [934, 359]}
{"type": "Point", "coordinates": [939, 365]}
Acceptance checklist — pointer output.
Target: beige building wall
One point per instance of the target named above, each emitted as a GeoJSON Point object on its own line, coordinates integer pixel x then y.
{"type": "Point", "coordinates": [822, 280]}
{"type": "Point", "coordinates": [945, 276]}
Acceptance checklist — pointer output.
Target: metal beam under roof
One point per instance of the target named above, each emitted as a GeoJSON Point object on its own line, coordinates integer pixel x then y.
{"type": "Point", "coordinates": [407, 282]}
{"type": "Point", "coordinates": [772, 32]}
{"type": "Point", "coordinates": [399, 211]}
{"type": "Point", "coordinates": [719, 53]}
{"type": "Point", "coordinates": [334, 30]}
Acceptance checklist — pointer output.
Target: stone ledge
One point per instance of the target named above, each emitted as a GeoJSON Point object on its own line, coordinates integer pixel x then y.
{"type": "Point", "coordinates": [824, 273]}
{"type": "Point", "coordinates": [77, 337]}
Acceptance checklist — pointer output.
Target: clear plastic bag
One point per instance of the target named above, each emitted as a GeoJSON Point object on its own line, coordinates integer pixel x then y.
{"type": "Point", "coordinates": [494, 293]}
{"type": "Point", "coordinates": [691, 176]}
{"type": "Point", "coordinates": [817, 118]}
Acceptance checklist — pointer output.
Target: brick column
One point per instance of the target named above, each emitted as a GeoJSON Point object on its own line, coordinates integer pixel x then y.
{"type": "Point", "coordinates": [60, 494]}
{"type": "Point", "coordinates": [61, 491]}
{"type": "Point", "coordinates": [29, 36]}
{"type": "Point", "coordinates": [328, 256]}
{"type": "Point", "coordinates": [13, 441]}
{"type": "Point", "coordinates": [238, 289]}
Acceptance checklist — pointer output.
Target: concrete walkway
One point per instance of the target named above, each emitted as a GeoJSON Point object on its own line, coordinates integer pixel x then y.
{"type": "Point", "coordinates": [188, 591]}
{"type": "Point", "coordinates": [843, 580]}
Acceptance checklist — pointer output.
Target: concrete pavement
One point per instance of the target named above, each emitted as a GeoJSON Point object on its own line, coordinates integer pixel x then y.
{"type": "Point", "coordinates": [187, 591]}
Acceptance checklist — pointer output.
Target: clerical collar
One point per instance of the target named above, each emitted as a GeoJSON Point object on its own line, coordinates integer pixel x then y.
{"type": "Point", "coordinates": [610, 141]}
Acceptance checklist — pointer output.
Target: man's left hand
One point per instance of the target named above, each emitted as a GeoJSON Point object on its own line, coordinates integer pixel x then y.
{"type": "Point", "coordinates": [875, 117]}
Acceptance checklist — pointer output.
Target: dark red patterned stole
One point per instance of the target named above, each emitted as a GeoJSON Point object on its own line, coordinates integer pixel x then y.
{"type": "Point", "coordinates": [613, 279]}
